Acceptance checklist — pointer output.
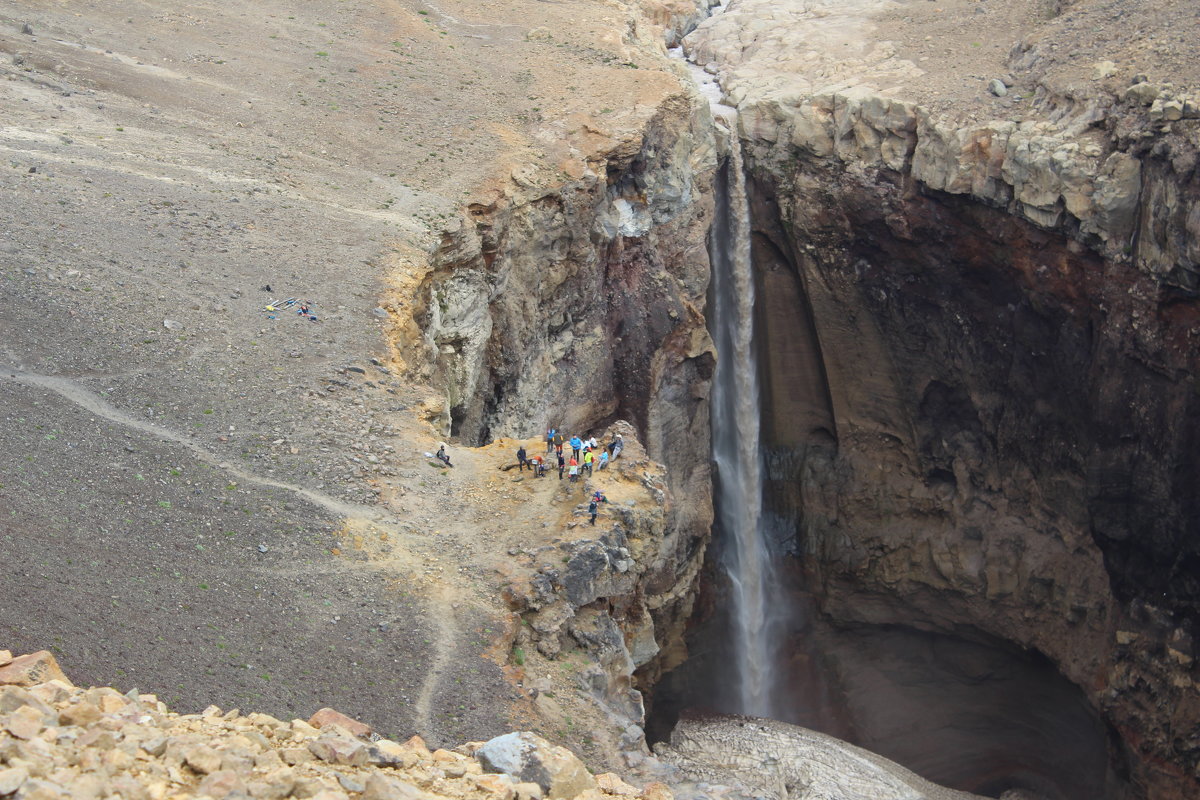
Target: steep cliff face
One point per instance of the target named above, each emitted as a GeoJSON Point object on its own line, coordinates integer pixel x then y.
{"type": "Point", "coordinates": [1004, 435]}
{"type": "Point", "coordinates": [579, 303]}
{"type": "Point", "coordinates": [571, 302]}
{"type": "Point", "coordinates": [618, 592]}
{"type": "Point", "coordinates": [982, 370]}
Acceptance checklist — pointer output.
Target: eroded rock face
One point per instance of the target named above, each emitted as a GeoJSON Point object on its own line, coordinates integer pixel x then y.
{"type": "Point", "coordinates": [578, 303]}
{"type": "Point", "coordinates": [570, 307]}
{"type": "Point", "coordinates": [981, 372]}
{"type": "Point", "coordinates": [621, 592]}
{"type": "Point", "coordinates": [1017, 454]}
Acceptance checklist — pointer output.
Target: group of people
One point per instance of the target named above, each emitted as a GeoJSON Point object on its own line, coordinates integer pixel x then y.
{"type": "Point", "coordinates": [583, 455]}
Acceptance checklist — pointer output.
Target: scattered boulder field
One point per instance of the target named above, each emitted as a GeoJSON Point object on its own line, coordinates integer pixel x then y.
{"type": "Point", "coordinates": [58, 740]}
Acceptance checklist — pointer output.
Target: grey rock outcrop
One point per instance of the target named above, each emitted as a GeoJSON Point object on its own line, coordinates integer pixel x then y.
{"type": "Point", "coordinates": [531, 759]}
{"type": "Point", "coordinates": [786, 762]}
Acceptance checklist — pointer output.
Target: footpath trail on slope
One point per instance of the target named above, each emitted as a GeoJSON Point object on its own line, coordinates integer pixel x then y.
{"type": "Point", "coordinates": [92, 402]}
{"type": "Point", "coordinates": [448, 634]}
{"type": "Point", "coordinates": [440, 537]}
{"type": "Point", "coordinates": [443, 600]}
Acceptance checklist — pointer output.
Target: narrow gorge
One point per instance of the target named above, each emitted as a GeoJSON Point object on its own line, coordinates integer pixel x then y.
{"type": "Point", "coordinates": [894, 304]}
{"type": "Point", "coordinates": [977, 350]}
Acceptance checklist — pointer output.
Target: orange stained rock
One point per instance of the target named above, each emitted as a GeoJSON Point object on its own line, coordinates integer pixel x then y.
{"type": "Point", "coordinates": [328, 716]}
{"type": "Point", "coordinates": [32, 669]}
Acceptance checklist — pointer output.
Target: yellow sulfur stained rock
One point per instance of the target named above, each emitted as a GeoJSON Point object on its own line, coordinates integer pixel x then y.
{"type": "Point", "coordinates": [657, 791]}
{"type": "Point", "coordinates": [498, 786]}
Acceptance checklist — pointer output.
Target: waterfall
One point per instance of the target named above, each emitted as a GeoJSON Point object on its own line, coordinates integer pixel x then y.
{"type": "Point", "coordinates": [735, 438]}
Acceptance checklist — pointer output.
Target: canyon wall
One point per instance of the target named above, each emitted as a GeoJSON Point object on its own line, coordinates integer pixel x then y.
{"type": "Point", "coordinates": [982, 399]}
{"type": "Point", "coordinates": [979, 338]}
{"type": "Point", "coordinates": [577, 303]}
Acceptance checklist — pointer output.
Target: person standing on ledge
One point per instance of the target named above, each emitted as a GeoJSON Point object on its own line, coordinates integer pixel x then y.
{"type": "Point", "coordinates": [521, 460]}
{"type": "Point", "coordinates": [592, 507]}
{"type": "Point", "coordinates": [576, 446]}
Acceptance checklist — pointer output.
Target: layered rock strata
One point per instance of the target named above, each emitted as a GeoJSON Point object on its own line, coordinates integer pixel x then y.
{"type": "Point", "coordinates": [981, 368]}
{"type": "Point", "coordinates": [570, 304]}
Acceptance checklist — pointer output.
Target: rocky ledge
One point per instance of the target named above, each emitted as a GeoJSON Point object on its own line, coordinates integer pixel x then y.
{"type": "Point", "coordinates": [616, 596]}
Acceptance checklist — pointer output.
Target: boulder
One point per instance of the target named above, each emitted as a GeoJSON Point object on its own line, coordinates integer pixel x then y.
{"type": "Point", "coordinates": [611, 783]}
{"type": "Point", "coordinates": [222, 783]}
{"type": "Point", "coordinates": [11, 779]}
{"type": "Point", "coordinates": [380, 787]}
{"type": "Point", "coordinates": [339, 750]}
{"type": "Point", "coordinates": [14, 697]}
{"type": "Point", "coordinates": [32, 669]}
{"type": "Point", "coordinates": [24, 723]}
{"type": "Point", "coordinates": [327, 716]}
{"type": "Point", "coordinates": [1144, 93]}
{"type": "Point", "coordinates": [530, 758]}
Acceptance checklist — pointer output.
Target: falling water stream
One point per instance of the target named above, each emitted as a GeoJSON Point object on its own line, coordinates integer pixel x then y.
{"type": "Point", "coordinates": [735, 438]}
{"type": "Point", "coordinates": [735, 408]}
{"type": "Point", "coordinates": [920, 698]}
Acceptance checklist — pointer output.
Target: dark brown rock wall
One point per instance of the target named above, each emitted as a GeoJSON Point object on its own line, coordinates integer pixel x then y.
{"type": "Point", "coordinates": [984, 425]}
